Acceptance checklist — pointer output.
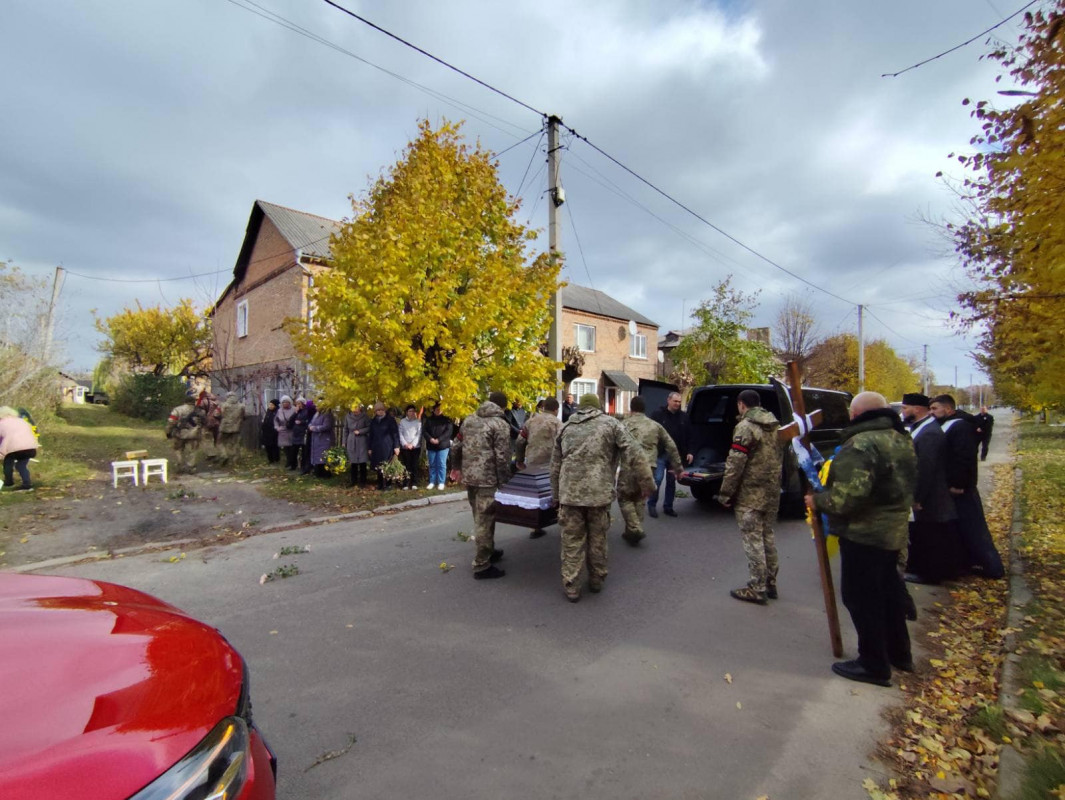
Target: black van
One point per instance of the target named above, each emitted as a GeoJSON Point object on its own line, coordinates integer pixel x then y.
{"type": "Point", "coordinates": [713, 415]}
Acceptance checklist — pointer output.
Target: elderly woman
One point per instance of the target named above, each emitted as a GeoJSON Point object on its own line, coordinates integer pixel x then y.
{"type": "Point", "coordinates": [305, 411]}
{"type": "Point", "coordinates": [383, 441]}
{"type": "Point", "coordinates": [410, 443]}
{"type": "Point", "coordinates": [18, 445]}
{"type": "Point", "coordinates": [268, 433]}
{"type": "Point", "coordinates": [284, 420]}
{"type": "Point", "coordinates": [356, 442]}
{"type": "Point", "coordinates": [323, 437]}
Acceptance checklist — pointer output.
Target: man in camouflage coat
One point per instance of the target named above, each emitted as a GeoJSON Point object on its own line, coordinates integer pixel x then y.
{"type": "Point", "coordinates": [536, 443]}
{"type": "Point", "coordinates": [868, 498]}
{"type": "Point", "coordinates": [480, 458]}
{"type": "Point", "coordinates": [184, 429]}
{"type": "Point", "coordinates": [655, 441]}
{"type": "Point", "coordinates": [229, 428]}
{"type": "Point", "coordinates": [752, 486]}
{"type": "Point", "coordinates": [583, 470]}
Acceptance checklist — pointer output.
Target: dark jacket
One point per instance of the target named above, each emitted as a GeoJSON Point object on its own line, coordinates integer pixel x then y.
{"type": "Point", "coordinates": [515, 418]}
{"type": "Point", "coordinates": [931, 493]}
{"type": "Point", "coordinates": [871, 482]}
{"type": "Point", "coordinates": [300, 423]}
{"type": "Point", "coordinates": [440, 428]}
{"type": "Point", "coordinates": [568, 410]}
{"type": "Point", "coordinates": [267, 432]}
{"type": "Point", "coordinates": [384, 438]}
{"type": "Point", "coordinates": [985, 423]}
{"type": "Point", "coordinates": [678, 426]}
{"type": "Point", "coordinates": [960, 457]}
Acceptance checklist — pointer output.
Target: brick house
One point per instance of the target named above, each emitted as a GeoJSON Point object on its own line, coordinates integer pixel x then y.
{"type": "Point", "coordinates": [617, 343]}
{"type": "Point", "coordinates": [284, 250]}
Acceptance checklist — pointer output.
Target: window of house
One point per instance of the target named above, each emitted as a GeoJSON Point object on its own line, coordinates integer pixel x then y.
{"type": "Point", "coordinates": [578, 388]}
{"type": "Point", "coordinates": [586, 338]}
{"type": "Point", "coordinates": [242, 318]}
{"type": "Point", "coordinates": [638, 346]}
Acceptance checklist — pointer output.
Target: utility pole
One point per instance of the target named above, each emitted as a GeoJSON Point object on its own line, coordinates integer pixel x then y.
{"type": "Point", "coordinates": [861, 351]}
{"type": "Point", "coordinates": [556, 197]}
{"type": "Point", "coordinates": [49, 325]}
{"type": "Point", "coordinates": [955, 378]}
{"type": "Point", "coordinates": [924, 373]}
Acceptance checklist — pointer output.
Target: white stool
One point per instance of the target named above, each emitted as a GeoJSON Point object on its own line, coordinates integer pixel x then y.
{"type": "Point", "coordinates": [153, 466]}
{"type": "Point", "coordinates": [124, 469]}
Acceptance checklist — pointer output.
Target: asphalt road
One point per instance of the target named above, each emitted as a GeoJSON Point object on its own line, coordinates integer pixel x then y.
{"type": "Point", "coordinates": [462, 689]}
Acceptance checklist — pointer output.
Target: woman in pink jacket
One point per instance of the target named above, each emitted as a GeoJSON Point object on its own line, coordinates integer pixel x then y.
{"type": "Point", "coordinates": [17, 446]}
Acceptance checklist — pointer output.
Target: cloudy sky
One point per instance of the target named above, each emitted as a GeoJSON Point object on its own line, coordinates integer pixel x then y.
{"type": "Point", "coordinates": [138, 134]}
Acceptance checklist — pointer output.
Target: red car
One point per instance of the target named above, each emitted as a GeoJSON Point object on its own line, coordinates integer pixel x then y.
{"type": "Point", "coordinates": [107, 693]}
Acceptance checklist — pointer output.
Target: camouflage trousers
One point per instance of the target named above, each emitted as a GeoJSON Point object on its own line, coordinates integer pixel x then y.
{"type": "Point", "coordinates": [228, 446]}
{"type": "Point", "coordinates": [632, 510]}
{"type": "Point", "coordinates": [483, 505]}
{"type": "Point", "coordinates": [756, 529]}
{"type": "Point", "coordinates": [583, 530]}
{"type": "Point", "coordinates": [185, 453]}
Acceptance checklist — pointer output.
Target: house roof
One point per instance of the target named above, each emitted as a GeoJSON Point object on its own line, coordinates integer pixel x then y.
{"type": "Point", "coordinates": [308, 233]}
{"type": "Point", "coordinates": [581, 298]}
{"type": "Point", "coordinates": [621, 380]}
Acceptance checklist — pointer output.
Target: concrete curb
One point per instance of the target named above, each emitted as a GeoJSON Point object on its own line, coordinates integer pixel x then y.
{"type": "Point", "coordinates": [1011, 762]}
{"type": "Point", "coordinates": [98, 555]}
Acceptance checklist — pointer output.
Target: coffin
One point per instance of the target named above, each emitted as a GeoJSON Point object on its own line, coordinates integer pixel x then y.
{"type": "Point", "coordinates": [525, 500]}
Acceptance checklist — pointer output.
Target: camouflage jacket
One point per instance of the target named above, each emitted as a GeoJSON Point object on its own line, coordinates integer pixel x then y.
{"type": "Point", "coordinates": [536, 441]}
{"type": "Point", "coordinates": [655, 441]}
{"type": "Point", "coordinates": [871, 483]}
{"type": "Point", "coordinates": [185, 422]}
{"type": "Point", "coordinates": [585, 461]}
{"type": "Point", "coordinates": [482, 447]}
{"type": "Point", "coordinates": [232, 415]}
{"type": "Point", "coordinates": [754, 464]}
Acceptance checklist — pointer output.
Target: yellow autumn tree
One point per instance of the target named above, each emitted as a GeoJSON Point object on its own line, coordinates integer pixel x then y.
{"type": "Point", "coordinates": [833, 364]}
{"type": "Point", "coordinates": [162, 341]}
{"type": "Point", "coordinates": [1012, 242]}
{"type": "Point", "coordinates": [433, 293]}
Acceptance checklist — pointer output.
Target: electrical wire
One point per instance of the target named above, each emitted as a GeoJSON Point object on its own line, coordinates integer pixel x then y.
{"type": "Point", "coordinates": [529, 165]}
{"type": "Point", "coordinates": [960, 46]}
{"type": "Point", "coordinates": [577, 238]}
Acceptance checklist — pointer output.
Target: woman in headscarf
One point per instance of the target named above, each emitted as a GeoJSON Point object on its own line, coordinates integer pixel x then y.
{"type": "Point", "coordinates": [383, 441]}
{"type": "Point", "coordinates": [304, 414]}
{"type": "Point", "coordinates": [268, 434]}
{"type": "Point", "coordinates": [356, 441]}
{"type": "Point", "coordinates": [283, 423]}
{"type": "Point", "coordinates": [323, 437]}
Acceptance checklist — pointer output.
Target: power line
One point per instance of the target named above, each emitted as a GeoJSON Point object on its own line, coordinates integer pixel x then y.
{"type": "Point", "coordinates": [440, 61]}
{"type": "Point", "coordinates": [594, 146]}
{"type": "Point", "coordinates": [960, 46]}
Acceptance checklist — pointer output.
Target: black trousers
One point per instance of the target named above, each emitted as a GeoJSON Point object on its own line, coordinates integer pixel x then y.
{"type": "Point", "coordinates": [410, 459]}
{"type": "Point", "coordinates": [874, 594]}
{"type": "Point", "coordinates": [19, 460]}
{"type": "Point", "coordinates": [291, 455]}
{"type": "Point", "coordinates": [357, 473]}
{"type": "Point", "coordinates": [273, 453]}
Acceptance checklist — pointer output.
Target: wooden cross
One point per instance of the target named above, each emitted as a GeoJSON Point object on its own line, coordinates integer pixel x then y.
{"type": "Point", "coordinates": [827, 588]}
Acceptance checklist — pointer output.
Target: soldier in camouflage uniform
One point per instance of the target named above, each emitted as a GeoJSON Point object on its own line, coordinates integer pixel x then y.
{"type": "Point", "coordinates": [752, 485]}
{"type": "Point", "coordinates": [536, 443]}
{"type": "Point", "coordinates": [583, 470]}
{"type": "Point", "coordinates": [480, 458]}
{"type": "Point", "coordinates": [868, 498]}
{"type": "Point", "coordinates": [229, 427]}
{"type": "Point", "coordinates": [655, 441]}
{"type": "Point", "coordinates": [184, 429]}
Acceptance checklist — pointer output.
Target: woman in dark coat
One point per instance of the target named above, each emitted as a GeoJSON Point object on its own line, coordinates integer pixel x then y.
{"type": "Point", "coordinates": [300, 438]}
{"type": "Point", "coordinates": [268, 433]}
{"type": "Point", "coordinates": [383, 441]}
{"type": "Point", "coordinates": [356, 430]}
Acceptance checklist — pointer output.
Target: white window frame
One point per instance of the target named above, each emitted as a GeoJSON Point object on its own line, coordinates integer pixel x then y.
{"type": "Point", "coordinates": [641, 351]}
{"type": "Point", "coordinates": [580, 387]}
{"type": "Point", "coordinates": [242, 319]}
{"type": "Point", "coordinates": [578, 326]}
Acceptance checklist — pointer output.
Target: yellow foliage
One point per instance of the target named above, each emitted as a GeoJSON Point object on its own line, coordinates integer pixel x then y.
{"type": "Point", "coordinates": [430, 296]}
{"type": "Point", "coordinates": [174, 341]}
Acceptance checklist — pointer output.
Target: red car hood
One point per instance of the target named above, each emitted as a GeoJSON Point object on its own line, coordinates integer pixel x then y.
{"type": "Point", "coordinates": [102, 688]}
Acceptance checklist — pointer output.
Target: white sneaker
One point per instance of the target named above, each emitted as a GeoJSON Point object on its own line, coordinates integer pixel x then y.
{"type": "Point", "coordinates": [431, 486]}
{"type": "Point", "coordinates": [441, 487]}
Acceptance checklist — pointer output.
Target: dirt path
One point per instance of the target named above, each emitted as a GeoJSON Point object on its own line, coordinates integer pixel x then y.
{"type": "Point", "coordinates": [96, 517]}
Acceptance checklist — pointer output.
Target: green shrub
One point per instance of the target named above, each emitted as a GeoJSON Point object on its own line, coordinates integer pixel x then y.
{"type": "Point", "coordinates": [148, 396]}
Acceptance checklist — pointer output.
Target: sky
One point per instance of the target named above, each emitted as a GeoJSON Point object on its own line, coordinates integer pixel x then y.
{"type": "Point", "coordinates": [139, 133]}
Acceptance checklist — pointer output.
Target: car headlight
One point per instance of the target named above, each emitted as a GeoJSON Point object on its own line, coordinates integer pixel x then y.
{"type": "Point", "coordinates": [214, 770]}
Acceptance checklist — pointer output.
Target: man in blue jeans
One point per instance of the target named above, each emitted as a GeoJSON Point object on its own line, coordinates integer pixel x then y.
{"type": "Point", "coordinates": [678, 426]}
